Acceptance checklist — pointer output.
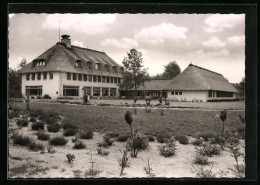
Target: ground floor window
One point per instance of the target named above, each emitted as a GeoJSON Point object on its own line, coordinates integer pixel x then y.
{"type": "Point", "coordinates": [96, 91]}
{"type": "Point", "coordinates": [33, 90]}
{"type": "Point", "coordinates": [70, 91]}
{"type": "Point", "coordinates": [105, 92]}
{"type": "Point", "coordinates": [113, 92]}
{"type": "Point", "coordinates": [224, 94]}
{"type": "Point", "coordinates": [87, 90]}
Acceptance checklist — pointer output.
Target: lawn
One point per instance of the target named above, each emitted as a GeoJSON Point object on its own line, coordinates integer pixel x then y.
{"type": "Point", "coordinates": [111, 119]}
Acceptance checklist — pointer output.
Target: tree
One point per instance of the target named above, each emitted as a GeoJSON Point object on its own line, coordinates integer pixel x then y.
{"type": "Point", "coordinates": [128, 82]}
{"type": "Point", "coordinates": [133, 64]}
{"type": "Point", "coordinates": [22, 63]}
{"type": "Point", "coordinates": [242, 86]}
{"type": "Point", "coordinates": [14, 84]}
{"type": "Point", "coordinates": [171, 70]}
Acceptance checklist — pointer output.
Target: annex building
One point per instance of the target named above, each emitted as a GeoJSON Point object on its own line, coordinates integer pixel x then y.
{"type": "Point", "coordinates": [65, 70]}
{"type": "Point", "coordinates": [193, 84]}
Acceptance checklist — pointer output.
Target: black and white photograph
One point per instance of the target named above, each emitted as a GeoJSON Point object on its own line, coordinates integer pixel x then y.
{"type": "Point", "coordinates": [110, 95]}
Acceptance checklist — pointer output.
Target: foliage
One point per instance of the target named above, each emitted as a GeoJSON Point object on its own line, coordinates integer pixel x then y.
{"type": "Point", "coordinates": [203, 173]}
{"type": "Point", "coordinates": [171, 70]}
{"type": "Point", "coordinates": [14, 84]}
{"type": "Point", "coordinates": [197, 142]}
{"type": "Point", "coordinates": [129, 120]}
{"type": "Point", "coordinates": [111, 135]}
{"type": "Point", "coordinates": [70, 158]}
{"type": "Point", "coordinates": [66, 124]}
{"type": "Point", "coordinates": [128, 81]}
{"type": "Point", "coordinates": [86, 134]}
{"type": "Point", "coordinates": [150, 138]}
{"type": "Point", "coordinates": [223, 117]}
{"type": "Point", "coordinates": [22, 140]}
{"type": "Point", "coordinates": [32, 119]}
{"type": "Point", "coordinates": [22, 63]}
{"type": "Point", "coordinates": [169, 148]}
{"type": "Point", "coordinates": [123, 137]}
{"type": "Point", "coordinates": [35, 146]}
{"type": "Point", "coordinates": [13, 114]}
{"type": "Point", "coordinates": [241, 132]}
{"type": "Point", "coordinates": [43, 136]}
{"type": "Point", "coordinates": [79, 145]}
{"type": "Point", "coordinates": [22, 122]}
{"type": "Point", "coordinates": [50, 120]}
{"type": "Point", "coordinates": [201, 160]}
{"type": "Point", "coordinates": [92, 171]}
{"type": "Point", "coordinates": [38, 125]}
{"type": "Point", "coordinates": [70, 132]}
{"type": "Point", "coordinates": [55, 127]}
{"type": "Point", "coordinates": [136, 144]}
{"type": "Point", "coordinates": [208, 149]}
{"type": "Point", "coordinates": [101, 151]}
{"type": "Point", "coordinates": [182, 139]}
{"type": "Point", "coordinates": [162, 137]}
{"type": "Point", "coordinates": [206, 135]}
{"type": "Point", "coordinates": [133, 63]}
{"type": "Point", "coordinates": [148, 169]}
{"type": "Point", "coordinates": [123, 162]}
{"type": "Point", "coordinates": [58, 140]}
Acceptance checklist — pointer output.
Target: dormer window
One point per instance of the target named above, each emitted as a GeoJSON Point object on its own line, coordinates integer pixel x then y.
{"type": "Point", "coordinates": [97, 66]}
{"type": "Point", "coordinates": [39, 63]}
{"type": "Point", "coordinates": [114, 68]}
{"type": "Point", "coordinates": [106, 68]}
{"type": "Point", "coordinates": [121, 69]}
{"type": "Point", "coordinates": [78, 63]}
{"type": "Point", "coordinates": [88, 65]}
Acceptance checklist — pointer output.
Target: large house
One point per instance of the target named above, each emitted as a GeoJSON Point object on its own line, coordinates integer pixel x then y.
{"type": "Point", "coordinates": [193, 84]}
{"type": "Point", "coordinates": [65, 70]}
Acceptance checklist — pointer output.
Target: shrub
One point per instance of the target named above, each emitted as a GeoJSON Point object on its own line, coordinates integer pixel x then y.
{"type": "Point", "coordinates": [201, 160]}
{"type": "Point", "coordinates": [38, 125]}
{"type": "Point", "coordinates": [53, 114]}
{"type": "Point", "coordinates": [66, 125]}
{"type": "Point", "coordinates": [22, 140]}
{"type": "Point", "coordinates": [43, 136]}
{"type": "Point", "coordinates": [111, 135]}
{"type": "Point", "coordinates": [150, 138]}
{"type": "Point", "coordinates": [101, 151]}
{"type": "Point", "coordinates": [197, 142]}
{"type": "Point", "coordinates": [70, 132]}
{"type": "Point", "coordinates": [58, 140]}
{"type": "Point", "coordinates": [123, 137]}
{"type": "Point", "coordinates": [79, 145]}
{"type": "Point", "coordinates": [33, 114]}
{"type": "Point", "coordinates": [102, 144]}
{"type": "Point", "coordinates": [169, 148]}
{"type": "Point", "coordinates": [86, 134]}
{"type": "Point", "coordinates": [50, 120]}
{"type": "Point", "coordinates": [46, 96]}
{"type": "Point", "coordinates": [35, 146]}
{"type": "Point", "coordinates": [241, 132]}
{"type": "Point", "coordinates": [55, 127]}
{"type": "Point", "coordinates": [108, 141]}
{"type": "Point", "coordinates": [162, 137]}
{"type": "Point", "coordinates": [182, 139]}
{"type": "Point", "coordinates": [13, 115]}
{"type": "Point", "coordinates": [137, 143]}
{"type": "Point", "coordinates": [22, 122]}
{"type": "Point", "coordinates": [32, 119]}
{"type": "Point", "coordinates": [70, 158]}
{"type": "Point", "coordinates": [206, 135]}
{"type": "Point", "coordinates": [208, 149]}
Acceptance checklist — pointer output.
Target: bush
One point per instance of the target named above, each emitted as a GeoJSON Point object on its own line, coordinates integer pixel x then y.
{"type": "Point", "coordinates": [136, 144]}
{"type": "Point", "coordinates": [111, 135]}
{"type": "Point", "coordinates": [197, 142]}
{"type": "Point", "coordinates": [38, 125]}
{"type": "Point", "coordinates": [206, 135]}
{"type": "Point", "coordinates": [66, 125]}
{"type": "Point", "coordinates": [169, 148]}
{"type": "Point", "coordinates": [43, 136]}
{"type": "Point", "coordinates": [32, 119]}
{"type": "Point", "coordinates": [58, 140]}
{"type": "Point", "coordinates": [201, 160]}
{"type": "Point", "coordinates": [108, 141]}
{"type": "Point", "coordinates": [182, 139]}
{"type": "Point", "coordinates": [150, 138]}
{"type": "Point", "coordinates": [208, 149]}
{"type": "Point", "coordinates": [70, 132]}
{"type": "Point", "coordinates": [241, 132]}
{"type": "Point", "coordinates": [22, 122]}
{"type": "Point", "coordinates": [101, 151]}
{"type": "Point", "coordinates": [79, 145]}
{"type": "Point", "coordinates": [50, 120]}
{"type": "Point", "coordinates": [162, 137]}
{"type": "Point", "coordinates": [70, 158]}
{"type": "Point", "coordinates": [86, 134]}
{"type": "Point", "coordinates": [55, 127]}
{"type": "Point", "coordinates": [123, 137]}
{"type": "Point", "coordinates": [13, 115]}
{"type": "Point", "coordinates": [46, 96]}
{"type": "Point", "coordinates": [53, 114]}
{"type": "Point", "coordinates": [33, 114]}
{"type": "Point", "coordinates": [22, 140]}
{"type": "Point", "coordinates": [35, 146]}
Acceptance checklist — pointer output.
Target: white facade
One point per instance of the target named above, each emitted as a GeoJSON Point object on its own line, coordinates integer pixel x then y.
{"type": "Point", "coordinates": [54, 87]}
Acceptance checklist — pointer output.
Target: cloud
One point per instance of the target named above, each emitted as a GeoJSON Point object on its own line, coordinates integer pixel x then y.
{"type": "Point", "coordinates": [78, 43]}
{"type": "Point", "coordinates": [214, 42]}
{"type": "Point", "coordinates": [85, 23]}
{"type": "Point", "coordinates": [124, 43]}
{"type": "Point", "coordinates": [157, 34]}
{"type": "Point", "coordinates": [236, 40]}
{"type": "Point", "coordinates": [202, 53]}
{"type": "Point", "coordinates": [218, 22]}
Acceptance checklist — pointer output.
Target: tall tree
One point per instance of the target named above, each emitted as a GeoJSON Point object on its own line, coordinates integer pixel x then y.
{"type": "Point", "coordinates": [133, 64]}
{"type": "Point", "coordinates": [242, 86]}
{"type": "Point", "coordinates": [171, 70]}
{"type": "Point", "coordinates": [22, 63]}
{"type": "Point", "coordinates": [14, 84]}
{"type": "Point", "coordinates": [128, 81]}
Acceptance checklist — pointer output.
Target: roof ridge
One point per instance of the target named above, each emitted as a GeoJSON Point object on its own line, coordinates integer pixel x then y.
{"type": "Point", "coordinates": [205, 69]}
{"type": "Point", "coordinates": [88, 49]}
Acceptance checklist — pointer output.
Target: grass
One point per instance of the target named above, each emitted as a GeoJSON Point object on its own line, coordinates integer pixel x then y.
{"type": "Point", "coordinates": [174, 121]}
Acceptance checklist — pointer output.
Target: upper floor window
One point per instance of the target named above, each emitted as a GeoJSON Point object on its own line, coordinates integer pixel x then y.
{"type": "Point", "coordinates": [99, 78]}
{"type": "Point", "coordinates": [74, 76]}
{"type": "Point", "coordinates": [45, 75]}
{"type": "Point", "coordinates": [94, 78]}
{"type": "Point", "coordinates": [27, 76]}
{"type": "Point", "coordinates": [80, 77]}
{"type": "Point", "coordinates": [78, 63]}
{"type": "Point", "coordinates": [51, 75]}
{"type": "Point", "coordinates": [39, 63]}
{"type": "Point", "coordinates": [85, 77]}
{"type": "Point", "coordinates": [38, 76]}
{"type": "Point", "coordinates": [90, 78]}
{"type": "Point", "coordinates": [68, 76]}
{"type": "Point", "coordinates": [115, 79]}
{"type": "Point", "coordinates": [33, 76]}
{"type": "Point", "coordinates": [97, 66]}
{"type": "Point", "coordinates": [107, 79]}
{"type": "Point", "coordinates": [103, 79]}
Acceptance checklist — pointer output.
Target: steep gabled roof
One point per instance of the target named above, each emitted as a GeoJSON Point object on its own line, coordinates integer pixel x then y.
{"type": "Point", "coordinates": [61, 58]}
{"type": "Point", "coordinates": [153, 85]}
{"type": "Point", "coordinates": [197, 78]}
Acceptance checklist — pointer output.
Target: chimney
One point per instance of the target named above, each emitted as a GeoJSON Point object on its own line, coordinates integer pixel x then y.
{"type": "Point", "coordinates": [66, 40]}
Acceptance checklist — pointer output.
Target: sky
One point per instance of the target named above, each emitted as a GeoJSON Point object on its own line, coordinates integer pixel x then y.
{"type": "Point", "coordinates": [212, 41]}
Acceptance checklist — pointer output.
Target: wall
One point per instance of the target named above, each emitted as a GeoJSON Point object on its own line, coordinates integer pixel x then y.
{"type": "Point", "coordinates": [189, 95]}
{"type": "Point", "coordinates": [49, 87]}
